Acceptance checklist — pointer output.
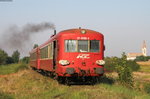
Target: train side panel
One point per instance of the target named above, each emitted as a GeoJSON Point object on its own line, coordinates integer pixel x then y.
{"type": "Point", "coordinates": [46, 64]}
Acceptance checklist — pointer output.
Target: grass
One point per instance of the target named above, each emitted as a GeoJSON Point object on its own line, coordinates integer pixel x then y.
{"type": "Point", "coordinates": [12, 68]}
{"type": "Point", "coordinates": [145, 68]}
{"type": "Point", "coordinates": [28, 84]}
{"type": "Point", "coordinates": [5, 96]}
{"type": "Point", "coordinates": [147, 63]}
{"type": "Point", "coordinates": [143, 75]}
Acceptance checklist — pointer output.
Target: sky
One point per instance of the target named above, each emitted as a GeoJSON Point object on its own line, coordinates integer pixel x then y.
{"type": "Point", "coordinates": [124, 23]}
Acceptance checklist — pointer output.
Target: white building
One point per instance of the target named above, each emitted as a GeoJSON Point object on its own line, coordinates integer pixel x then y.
{"type": "Point", "coordinates": [132, 56]}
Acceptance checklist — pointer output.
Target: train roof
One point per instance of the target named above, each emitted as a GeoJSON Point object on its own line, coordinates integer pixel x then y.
{"type": "Point", "coordinates": [69, 31]}
{"type": "Point", "coordinates": [78, 31]}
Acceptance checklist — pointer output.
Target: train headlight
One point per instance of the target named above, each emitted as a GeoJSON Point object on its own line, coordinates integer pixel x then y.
{"type": "Point", "coordinates": [100, 62]}
{"type": "Point", "coordinates": [83, 31]}
{"type": "Point", "coordinates": [64, 62]}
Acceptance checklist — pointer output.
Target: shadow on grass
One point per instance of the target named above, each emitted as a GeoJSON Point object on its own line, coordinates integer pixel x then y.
{"type": "Point", "coordinates": [106, 80]}
{"type": "Point", "coordinates": [87, 81]}
{"type": "Point", "coordinates": [80, 80]}
{"type": "Point", "coordinates": [5, 96]}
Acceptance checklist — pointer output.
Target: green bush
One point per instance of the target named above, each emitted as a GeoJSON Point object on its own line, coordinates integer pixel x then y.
{"type": "Point", "coordinates": [147, 88]}
{"type": "Point", "coordinates": [123, 67]}
{"type": "Point", "coordinates": [3, 57]}
{"type": "Point", "coordinates": [5, 96]}
{"type": "Point", "coordinates": [21, 67]}
{"type": "Point", "coordinates": [142, 58]}
{"type": "Point", "coordinates": [133, 65]}
{"type": "Point", "coordinates": [124, 71]}
{"type": "Point", "coordinates": [112, 62]}
{"type": "Point", "coordinates": [125, 76]}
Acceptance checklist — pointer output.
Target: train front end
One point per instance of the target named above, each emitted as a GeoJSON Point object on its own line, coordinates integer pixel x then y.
{"type": "Point", "coordinates": [81, 53]}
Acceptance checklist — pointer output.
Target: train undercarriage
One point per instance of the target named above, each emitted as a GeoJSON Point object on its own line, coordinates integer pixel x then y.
{"type": "Point", "coordinates": [72, 80]}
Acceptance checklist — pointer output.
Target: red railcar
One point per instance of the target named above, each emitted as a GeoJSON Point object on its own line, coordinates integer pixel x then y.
{"type": "Point", "coordinates": [71, 53]}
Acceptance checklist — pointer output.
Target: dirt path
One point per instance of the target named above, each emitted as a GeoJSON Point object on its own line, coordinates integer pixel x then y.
{"type": "Point", "coordinates": [14, 74]}
{"type": "Point", "coordinates": [2, 76]}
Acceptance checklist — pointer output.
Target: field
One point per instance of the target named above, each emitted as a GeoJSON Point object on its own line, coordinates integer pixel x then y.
{"type": "Point", "coordinates": [28, 84]}
{"type": "Point", "coordinates": [144, 63]}
{"type": "Point", "coordinates": [12, 68]}
{"type": "Point", "coordinates": [145, 66]}
{"type": "Point", "coordinates": [143, 75]}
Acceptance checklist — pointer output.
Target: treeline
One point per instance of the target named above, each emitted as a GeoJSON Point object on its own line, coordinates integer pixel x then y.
{"type": "Point", "coordinates": [142, 58]}
{"type": "Point", "coordinates": [14, 58]}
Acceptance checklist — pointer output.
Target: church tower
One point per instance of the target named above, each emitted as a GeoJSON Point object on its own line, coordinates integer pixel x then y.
{"type": "Point", "coordinates": [144, 49]}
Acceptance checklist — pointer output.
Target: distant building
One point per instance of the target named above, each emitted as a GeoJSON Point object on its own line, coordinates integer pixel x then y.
{"type": "Point", "coordinates": [132, 56]}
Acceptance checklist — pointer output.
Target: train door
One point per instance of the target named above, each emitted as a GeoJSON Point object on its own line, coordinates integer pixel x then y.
{"type": "Point", "coordinates": [38, 59]}
{"type": "Point", "coordinates": [54, 54]}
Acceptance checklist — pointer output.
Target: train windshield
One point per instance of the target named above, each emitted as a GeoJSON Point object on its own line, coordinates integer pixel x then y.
{"type": "Point", "coordinates": [82, 45]}
{"type": "Point", "coordinates": [94, 46]}
{"type": "Point", "coordinates": [70, 45]}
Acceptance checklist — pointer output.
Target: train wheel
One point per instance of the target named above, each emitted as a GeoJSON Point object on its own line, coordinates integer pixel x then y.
{"type": "Point", "coordinates": [61, 80]}
{"type": "Point", "coordinates": [94, 80]}
{"type": "Point", "coordinates": [68, 81]}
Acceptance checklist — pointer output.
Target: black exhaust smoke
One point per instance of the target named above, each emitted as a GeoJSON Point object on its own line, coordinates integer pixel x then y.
{"type": "Point", "coordinates": [17, 38]}
{"type": "Point", "coordinates": [54, 32]}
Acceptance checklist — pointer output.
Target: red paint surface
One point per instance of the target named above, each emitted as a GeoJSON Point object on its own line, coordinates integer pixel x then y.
{"type": "Point", "coordinates": [76, 63]}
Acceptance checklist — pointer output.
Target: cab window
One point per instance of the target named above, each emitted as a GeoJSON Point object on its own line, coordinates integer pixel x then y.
{"type": "Point", "coordinates": [83, 46]}
{"type": "Point", "coordinates": [70, 45]}
{"type": "Point", "coordinates": [94, 46]}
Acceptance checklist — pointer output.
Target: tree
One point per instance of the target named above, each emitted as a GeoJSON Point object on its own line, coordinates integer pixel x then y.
{"type": "Point", "coordinates": [35, 45]}
{"type": "Point", "coordinates": [148, 58]}
{"type": "Point", "coordinates": [124, 71]}
{"type": "Point", "coordinates": [142, 58]}
{"type": "Point", "coordinates": [3, 57]}
{"type": "Point", "coordinates": [16, 56]}
{"type": "Point", "coordinates": [9, 60]}
{"type": "Point", "coordinates": [25, 60]}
